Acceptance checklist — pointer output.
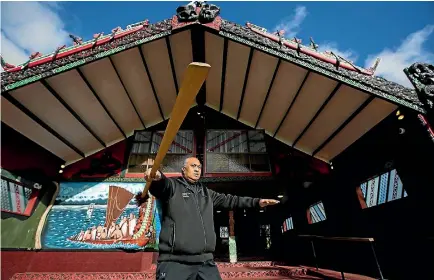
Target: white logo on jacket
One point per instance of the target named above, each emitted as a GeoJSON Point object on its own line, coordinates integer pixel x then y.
{"type": "Point", "coordinates": [186, 195]}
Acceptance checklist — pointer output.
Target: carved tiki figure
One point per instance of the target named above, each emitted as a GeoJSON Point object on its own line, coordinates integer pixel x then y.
{"type": "Point", "coordinates": [423, 75]}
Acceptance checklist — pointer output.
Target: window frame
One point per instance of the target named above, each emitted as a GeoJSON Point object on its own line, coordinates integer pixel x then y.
{"type": "Point", "coordinates": [150, 153]}
{"type": "Point", "coordinates": [248, 153]}
{"type": "Point", "coordinates": [286, 222]}
{"type": "Point", "coordinates": [363, 196]}
{"type": "Point", "coordinates": [31, 202]}
{"type": "Point", "coordinates": [310, 215]}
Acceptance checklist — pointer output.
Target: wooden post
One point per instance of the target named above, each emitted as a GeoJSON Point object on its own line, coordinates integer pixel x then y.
{"type": "Point", "coordinates": [232, 242]}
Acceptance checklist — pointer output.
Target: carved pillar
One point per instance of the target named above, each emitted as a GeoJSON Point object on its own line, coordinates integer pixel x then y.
{"type": "Point", "coordinates": [232, 242]}
{"type": "Point", "coordinates": [421, 75]}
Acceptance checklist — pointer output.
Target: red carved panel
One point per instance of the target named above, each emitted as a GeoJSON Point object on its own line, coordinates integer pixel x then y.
{"type": "Point", "coordinates": [215, 24]}
{"type": "Point", "coordinates": [308, 216]}
{"type": "Point", "coordinates": [361, 198]}
{"type": "Point", "coordinates": [176, 24]}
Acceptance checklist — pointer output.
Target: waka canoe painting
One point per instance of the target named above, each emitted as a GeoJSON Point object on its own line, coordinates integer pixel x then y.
{"type": "Point", "coordinates": [102, 215]}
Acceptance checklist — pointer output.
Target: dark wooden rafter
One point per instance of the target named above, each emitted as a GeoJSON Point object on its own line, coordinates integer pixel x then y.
{"type": "Point", "coordinates": [197, 35]}
{"type": "Point", "coordinates": [126, 91]}
{"type": "Point", "coordinates": [225, 58]}
{"type": "Point", "coordinates": [246, 78]}
{"type": "Point", "coordinates": [151, 82]}
{"type": "Point", "coordinates": [172, 65]}
{"type": "Point", "coordinates": [127, 153]}
{"type": "Point", "coordinates": [292, 103]}
{"type": "Point", "coordinates": [77, 117]}
{"type": "Point", "coordinates": [317, 113]}
{"type": "Point", "coordinates": [100, 101]}
{"type": "Point", "coordinates": [347, 121]}
{"type": "Point", "coordinates": [268, 92]}
{"type": "Point", "coordinates": [30, 114]}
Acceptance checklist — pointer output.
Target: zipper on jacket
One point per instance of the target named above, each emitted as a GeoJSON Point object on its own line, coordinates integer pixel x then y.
{"type": "Point", "coordinates": [200, 214]}
{"type": "Point", "coordinates": [173, 238]}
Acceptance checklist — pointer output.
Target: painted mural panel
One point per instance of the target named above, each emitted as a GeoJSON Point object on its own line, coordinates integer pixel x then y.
{"type": "Point", "coordinates": [102, 215]}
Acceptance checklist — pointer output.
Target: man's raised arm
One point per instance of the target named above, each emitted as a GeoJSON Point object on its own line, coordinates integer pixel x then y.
{"type": "Point", "coordinates": [161, 187]}
{"type": "Point", "coordinates": [230, 202]}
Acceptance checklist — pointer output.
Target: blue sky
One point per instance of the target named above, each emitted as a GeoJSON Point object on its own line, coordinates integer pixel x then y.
{"type": "Point", "coordinates": [398, 32]}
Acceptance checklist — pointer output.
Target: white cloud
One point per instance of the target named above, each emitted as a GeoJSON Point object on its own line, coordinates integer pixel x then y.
{"type": "Point", "coordinates": [52, 4]}
{"type": "Point", "coordinates": [28, 27]}
{"type": "Point", "coordinates": [292, 23]}
{"type": "Point", "coordinates": [12, 54]}
{"type": "Point", "coordinates": [333, 47]}
{"type": "Point", "coordinates": [411, 50]}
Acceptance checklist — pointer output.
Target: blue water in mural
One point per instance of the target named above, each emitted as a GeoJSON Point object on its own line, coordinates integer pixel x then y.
{"type": "Point", "coordinates": [69, 215]}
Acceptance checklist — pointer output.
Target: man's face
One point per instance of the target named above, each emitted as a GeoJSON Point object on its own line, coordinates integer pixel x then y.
{"type": "Point", "coordinates": [192, 169]}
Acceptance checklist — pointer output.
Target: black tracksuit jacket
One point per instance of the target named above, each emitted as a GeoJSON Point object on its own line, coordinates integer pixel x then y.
{"type": "Point", "coordinates": [187, 226]}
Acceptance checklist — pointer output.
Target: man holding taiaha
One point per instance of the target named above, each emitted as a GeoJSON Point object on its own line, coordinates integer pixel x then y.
{"type": "Point", "coordinates": [187, 237]}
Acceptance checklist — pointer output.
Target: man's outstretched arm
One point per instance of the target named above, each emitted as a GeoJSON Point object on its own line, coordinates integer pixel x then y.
{"type": "Point", "coordinates": [161, 187]}
{"type": "Point", "coordinates": [228, 201]}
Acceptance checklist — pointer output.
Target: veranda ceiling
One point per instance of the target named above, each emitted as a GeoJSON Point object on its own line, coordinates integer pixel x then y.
{"type": "Point", "coordinates": [83, 110]}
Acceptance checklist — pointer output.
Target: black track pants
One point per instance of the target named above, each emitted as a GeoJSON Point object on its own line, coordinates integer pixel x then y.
{"type": "Point", "coordinates": [186, 271]}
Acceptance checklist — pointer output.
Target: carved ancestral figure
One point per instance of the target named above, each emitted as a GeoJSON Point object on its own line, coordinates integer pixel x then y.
{"type": "Point", "coordinates": [76, 40]}
{"type": "Point", "coordinates": [187, 12]}
{"type": "Point", "coordinates": [208, 12]}
{"type": "Point", "coordinates": [424, 74]}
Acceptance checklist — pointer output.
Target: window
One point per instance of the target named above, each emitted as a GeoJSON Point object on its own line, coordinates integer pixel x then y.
{"type": "Point", "coordinates": [18, 197]}
{"type": "Point", "coordinates": [287, 225]}
{"type": "Point", "coordinates": [224, 232]}
{"type": "Point", "coordinates": [381, 189]}
{"type": "Point", "coordinates": [145, 147]}
{"type": "Point", "coordinates": [316, 213]}
{"type": "Point", "coordinates": [236, 151]}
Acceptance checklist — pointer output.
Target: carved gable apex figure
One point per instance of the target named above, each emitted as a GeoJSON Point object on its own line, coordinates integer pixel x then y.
{"type": "Point", "coordinates": [189, 12]}
{"type": "Point", "coordinates": [208, 12]}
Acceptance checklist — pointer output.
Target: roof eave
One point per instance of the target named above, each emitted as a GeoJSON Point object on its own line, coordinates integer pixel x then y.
{"type": "Point", "coordinates": [376, 86]}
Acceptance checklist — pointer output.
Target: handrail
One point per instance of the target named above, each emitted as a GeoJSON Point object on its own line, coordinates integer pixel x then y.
{"type": "Point", "coordinates": [369, 240]}
{"type": "Point", "coordinates": [358, 239]}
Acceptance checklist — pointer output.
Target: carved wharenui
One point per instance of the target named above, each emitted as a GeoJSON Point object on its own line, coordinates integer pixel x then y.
{"type": "Point", "coordinates": [316, 101]}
